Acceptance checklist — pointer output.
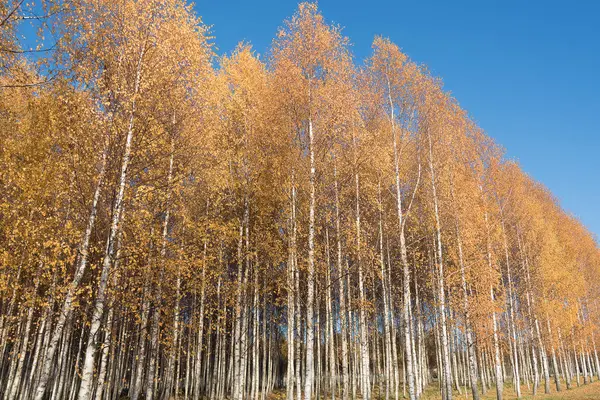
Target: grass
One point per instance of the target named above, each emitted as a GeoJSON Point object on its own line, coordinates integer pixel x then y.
{"type": "Point", "coordinates": [584, 392]}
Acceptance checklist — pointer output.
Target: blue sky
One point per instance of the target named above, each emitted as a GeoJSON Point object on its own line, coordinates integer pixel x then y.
{"type": "Point", "coordinates": [527, 71]}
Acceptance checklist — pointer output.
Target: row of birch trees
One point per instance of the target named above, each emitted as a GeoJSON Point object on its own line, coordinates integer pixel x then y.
{"type": "Point", "coordinates": [175, 224]}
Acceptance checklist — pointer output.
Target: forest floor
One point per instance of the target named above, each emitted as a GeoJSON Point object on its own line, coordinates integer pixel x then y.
{"type": "Point", "coordinates": [583, 392]}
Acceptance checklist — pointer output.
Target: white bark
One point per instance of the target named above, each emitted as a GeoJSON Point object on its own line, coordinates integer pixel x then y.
{"type": "Point", "coordinates": [403, 256]}
{"type": "Point", "coordinates": [364, 343]}
{"type": "Point", "coordinates": [497, 359]}
{"type": "Point", "coordinates": [291, 311]}
{"type": "Point", "coordinates": [441, 286]}
{"type": "Point", "coordinates": [511, 318]}
{"type": "Point", "coordinates": [67, 305]}
{"type": "Point", "coordinates": [465, 303]}
{"type": "Point", "coordinates": [386, 308]}
{"type": "Point", "coordinates": [309, 372]}
{"type": "Point", "coordinates": [15, 385]}
{"type": "Point", "coordinates": [342, 294]}
{"type": "Point", "coordinates": [98, 309]}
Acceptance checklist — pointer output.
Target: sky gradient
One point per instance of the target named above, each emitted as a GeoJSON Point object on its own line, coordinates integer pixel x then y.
{"type": "Point", "coordinates": [528, 72]}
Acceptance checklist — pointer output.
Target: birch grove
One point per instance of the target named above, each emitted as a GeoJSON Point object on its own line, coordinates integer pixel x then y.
{"type": "Point", "coordinates": [174, 224]}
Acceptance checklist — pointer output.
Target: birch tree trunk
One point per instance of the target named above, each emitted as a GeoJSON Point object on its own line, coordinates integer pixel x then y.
{"type": "Point", "coordinates": [441, 286]}
{"type": "Point", "coordinates": [155, 331]}
{"type": "Point", "coordinates": [497, 359]}
{"type": "Point", "coordinates": [236, 337]}
{"type": "Point", "coordinates": [465, 300]}
{"type": "Point", "coordinates": [342, 293]}
{"type": "Point", "coordinates": [364, 344]}
{"type": "Point", "coordinates": [15, 384]}
{"type": "Point", "coordinates": [511, 313]}
{"type": "Point", "coordinates": [386, 309]}
{"type": "Point", "coordinates": [98, 309]}
{"type": "Point", "coordinates": [403, 256]}
{"type": "Point", "coordinates": [330, 341]}
{"type": "Point", "coordinates": [291, 337]}
{"type": "Point", "coordinates": [67, 305]}
{"type": "Point", "coordinates": [310, 373]}
{"type": "Point", "coordinates": [536, 378]}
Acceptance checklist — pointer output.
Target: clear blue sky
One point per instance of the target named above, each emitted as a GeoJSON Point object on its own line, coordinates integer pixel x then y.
{"type": "Point", "coordinates": [527, 71]}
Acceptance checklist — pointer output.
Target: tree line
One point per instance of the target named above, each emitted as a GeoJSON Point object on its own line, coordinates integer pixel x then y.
{"type": "Point", "coordinates": [175, 224]}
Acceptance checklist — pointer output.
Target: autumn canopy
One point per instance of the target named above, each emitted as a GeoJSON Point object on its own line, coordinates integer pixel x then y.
{"type": "Point", "coordinates": [175, 224]}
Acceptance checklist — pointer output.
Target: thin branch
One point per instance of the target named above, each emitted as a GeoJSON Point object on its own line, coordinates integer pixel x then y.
{"type": "Point", "coordinates": [39, 17]}
{"type": "Point", "coordinates": [53, 47]}
{"type": "Point", "coordinates": [26, 85]}
{"type": "Point", "coordinates": [5, 19]}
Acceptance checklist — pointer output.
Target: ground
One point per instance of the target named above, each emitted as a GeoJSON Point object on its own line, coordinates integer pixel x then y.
{"type": "Point", "coordinates": [583, 392]}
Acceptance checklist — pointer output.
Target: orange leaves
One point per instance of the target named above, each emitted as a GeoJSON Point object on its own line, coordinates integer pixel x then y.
{"type": "Point", "coordinates": [303, 158]}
